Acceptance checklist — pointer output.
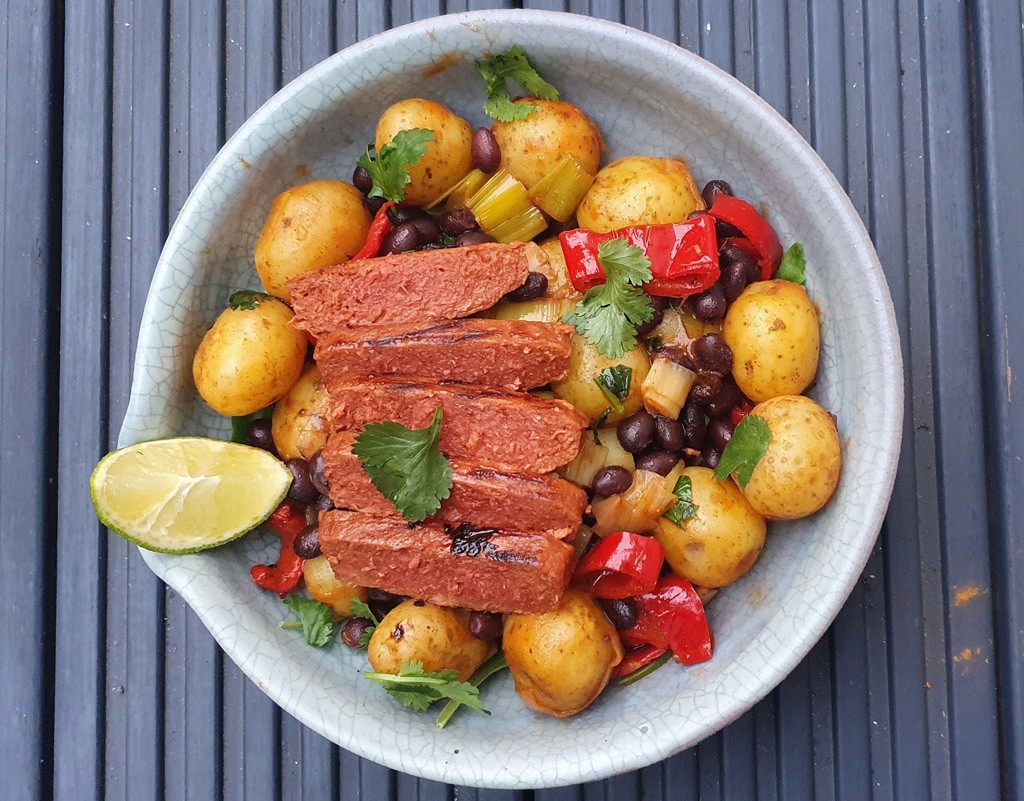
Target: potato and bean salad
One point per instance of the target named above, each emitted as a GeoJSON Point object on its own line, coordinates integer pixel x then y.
{"type": "Point", "coordinates": [694, 338]}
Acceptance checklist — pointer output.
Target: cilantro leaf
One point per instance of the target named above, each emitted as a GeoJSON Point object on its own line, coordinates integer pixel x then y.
{"type": "Point", "coordinates": [361, 610]}
{"type": "Point", "coordinates": [614, 384]}
{"type": "Point", "coordinates": [418, 689]}
{"type": "Point", "coordinates": [406, 465]}
{"type": "Point", "coordinates": [609, 314]}
{"type": "Point", "coordinates": [684, 509]}
{"type": "Point", "coordinates": [748, 444]}
{"type": "Point", "coordinates": [247, 299]}
{"type": "Point", "coordinates": [514, 64]}
{"type": "Point", "coordinates": [314, 617]}
{"type": "Point", "coordinates": [495, 664]}
{"type": "Point", "coordinates": [793, 264]}
{"type": "Point", "coordinates": [388, 169]}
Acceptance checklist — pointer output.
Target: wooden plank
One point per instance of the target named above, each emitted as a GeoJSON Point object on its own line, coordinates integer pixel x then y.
{"type": "Point", "coordinates": [30, 53]}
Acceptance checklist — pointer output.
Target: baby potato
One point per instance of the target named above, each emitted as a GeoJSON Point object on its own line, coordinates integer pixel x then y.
{"type": "Point", "coordinates": [309, 227]}
{"type": "Point", "coordinates": [447, 158]}
{"type": "Point", "coordinates": [325, 587]}
{"type": "Point", "coordinates": [556, 271]}
{"type": "Point", "coordinates": [301, 417]}
{"type": "Point", "coordinates": [585, 364]}
{"type": "Point", "coordinates": [639, 190]}
{"type": "Point", "coordinates": [800, 470]}
{"type": "Point", "coordinates": [772, 329]}
{"type": "Point", "coordinates": [531, 147]}
{"type": "Point", "coordinates": [722, 542]}
{"type": "Point", "coordinates": [434, 635]}
{"type": "Point", "coordinates": [250, 357]}
{"type": "Point", "coordinates": [562, 660]}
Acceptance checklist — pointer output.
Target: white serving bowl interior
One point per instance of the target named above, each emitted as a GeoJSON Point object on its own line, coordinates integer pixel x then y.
{"type": "Point", "coordinates": [649, 97]}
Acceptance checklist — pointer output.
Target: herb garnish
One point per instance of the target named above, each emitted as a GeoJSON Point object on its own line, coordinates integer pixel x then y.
{"type": "Point", "coordinates": [514, 64]}
{"type": "Point", "coordinates": [493, 665]}
{"type": "Point", "coordinates": [609, 313]}
{"type": "Point", "coordinates": [793, 264]}
{"type": "Point", "coordinates": [645, 671]}
{"type": "Point", "coordinates": [388, 169]}
{"type": "Point", "coordinates": [406, 465]}
{"type": "Point", "coordinates": [614, 384]}
{"type": "Point", "coordinates": [418, 689]}
{"type": "Point", "coordinates": [315, 620]}
{"type": "Point", "coordinates": [748, 445]}
{"type": "Point", "coordinates": [361, 610]}
{"type": "Point", "coordinates": [247, 299]}
{"type": "Point", "coordinates": [684, 509]}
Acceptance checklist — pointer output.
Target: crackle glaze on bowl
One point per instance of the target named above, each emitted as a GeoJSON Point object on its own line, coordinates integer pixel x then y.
{"type": "Point", "coordinates": [649, 97]}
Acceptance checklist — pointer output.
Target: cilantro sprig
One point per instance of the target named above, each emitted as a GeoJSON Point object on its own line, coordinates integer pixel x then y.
{"type": "Point", "coordinates": [609, 313]}
{"type": "Point", "coordinates": [406, 465]}
{"type": "Point", "coordinates": [684, 508]}
{"type": "Point", "coordinates": [514, 64]}
{"type": "Point", "coordinates": [247, 299]}
{"type": "Point", "coordinates": [614, 383]}
{"type": "Point", "coordinates": [495, 664]}
{"type": "Point", "coordinates": [793, 264]}
{"type": "Point", "coordinates": [359, 609]}
{"type": "Point", "coordinates": [747, 447]}
{"type": "Point", "coordinates": [388, 170]}
{"type": "Point", "coordinates": [315, 620]}
{"type": "Point", "coordinates": [418, 689]}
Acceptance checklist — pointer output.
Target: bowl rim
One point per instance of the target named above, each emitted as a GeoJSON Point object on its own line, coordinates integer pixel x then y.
{"type": "Point", "coordinates": [781, 661]}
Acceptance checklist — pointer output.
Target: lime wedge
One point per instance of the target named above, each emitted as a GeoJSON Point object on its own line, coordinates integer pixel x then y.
{"type": "Point", "coordinates": [187, 494]}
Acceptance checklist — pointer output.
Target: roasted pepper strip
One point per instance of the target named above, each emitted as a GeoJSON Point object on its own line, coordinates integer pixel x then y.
{"type": "Point", "coordinates": [672, 616]}
{"type": "Point", "coordinates": [621, 565]}
{"type": "Point", "coordinates": [286, 521]}
{"type": "Point", "coordinates": [635, 659]}
{"type": "Point", "coordinates": [684, 256]}
{"type": "Point", "coordinates": [379, 228]}
{"type": "Point", "coordinates": [757, 230]}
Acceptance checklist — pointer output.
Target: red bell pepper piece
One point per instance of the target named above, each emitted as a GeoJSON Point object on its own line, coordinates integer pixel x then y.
{"type": "Point", "coordinates": [754, 227]}
{"type": "Point", "coordinates": [621, 565]}
{"type": "Point", "coordinates": [684, 256]}
{"type": "Point", "coordinates": [379, 228]}
{"type": "Point", "coordinates": [636, 658]}
{"type": "Point", "coordinates": [287, 521]}
{"type": "Point", "coordinates": [741, 410]}
{"type": "Point", "coordinates": [672, 616]}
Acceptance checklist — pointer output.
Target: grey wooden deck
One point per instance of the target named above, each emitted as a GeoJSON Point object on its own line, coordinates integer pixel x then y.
{"type": "Point", "coordinates": [112, 689]}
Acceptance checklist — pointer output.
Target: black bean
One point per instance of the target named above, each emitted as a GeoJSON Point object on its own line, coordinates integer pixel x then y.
{"type": "Point", "coordinates": [711, 458]}
{"type": "Point", "coordinates": [323, 504]}
{"type": "Point", "coordinates": [316, 473]}
{"type": "Point", "coordinates": [694, 425]}
{"type": "Point", "coordinates": [400, 239]}
{"type": "Point", "coordinates": [535, 286]}
{"type": "Point", "coordinates": [712, 189]}
{"type": "Point", "coordinates": [679, 356]}
{"type": "Point", "coordinates": [719, 433]}
{"type": "Point", "coordinates": [485, 625]}
{"type": "Point", "coordinates": [621, 612]}
{"type": "Point", "coordinates": [373, 204]}
{"type": "Point", "coordinates": [307, 542]}
{"type": "Point", "coordinates": [457, 221]}
{"type": "Point", "coordinates": [484, 151]}
{"type": "Point", "coordinates": [434, 246]}
{"type": "Point", "coordinates": [710, 304]}
{"type": "Point", "coordinates": [377, 594]}
{"type": "Point", "coordinates": [354, 630]}
{"type": "Point", "coordinates": [657, 461]}
{"type": "Point", "coordinates": [730, 252]}
{"type": "Point", "coordinates": [261, 436]}
{"type": "Point", "coordinates": [753, 272]}
{"type": "Point", "coordinates": [693, 215]}
{"type": "Point", "coordinates": [659, 305]}
{"type": "Point", "coordinates": [473, 238]}
{"type": "Point", "coordinates": [705, 388]}
{"type": "Point", "coordinates": [636, 432]}
{"type": "Point", "coordinates": [380, 609]}
{"type": "Point", "coordinates": [669, 433]}
{"type": "Point", "coordinates": [427, 228]}
{"type": "Point", "coordinates": [611, 480]}
{"type": "Point", "coordinates": [361, 179]}
{"type": "Point", "coordinates": [734, 280]}
{"type": "Point", "coordinates": [302, 489]}
{"type": "Point", "coordinates": [404, 212]}
{"type": "Point", "coordinates": [712, 353]}
{"type": "Point", "coordinates": [725, 400]}
{"type": "Point", "coordinates": [724, 230]}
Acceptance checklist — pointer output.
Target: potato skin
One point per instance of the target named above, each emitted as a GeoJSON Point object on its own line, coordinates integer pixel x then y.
{"type": "Point", "coordinates": [562, 660]}
{"type": "Point", "coordinates": [722, 542]}
{"type": "Point", "coordinates": [639, 190]}
{"type": "Point", "coordinates": [531, 147]}
{"type": "Point", "coordinates": [800, 470]}
{"type": "Point", "coordinates": [447, 158]}
{"type": "Point", "coordinates": [772, 328]}
{"type": "Point", "coordinates": [556, 271]}
{"type": "Point", "coordinates": [249, 358]}
{"type": "Point", "coordinates": [434, 635]}
{"type": "Point", "coordinates": [309, 227]}
{"type": "Point", "coordinates": [302, 417]}
{"type": "Point", "coordinates": [325, 587]}
{"type": "Point", "coordinates": [585, 364]}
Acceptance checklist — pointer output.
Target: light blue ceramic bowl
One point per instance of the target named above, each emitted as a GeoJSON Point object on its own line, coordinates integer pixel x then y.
{"type": "Point", "coordinates": [649, 97]}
